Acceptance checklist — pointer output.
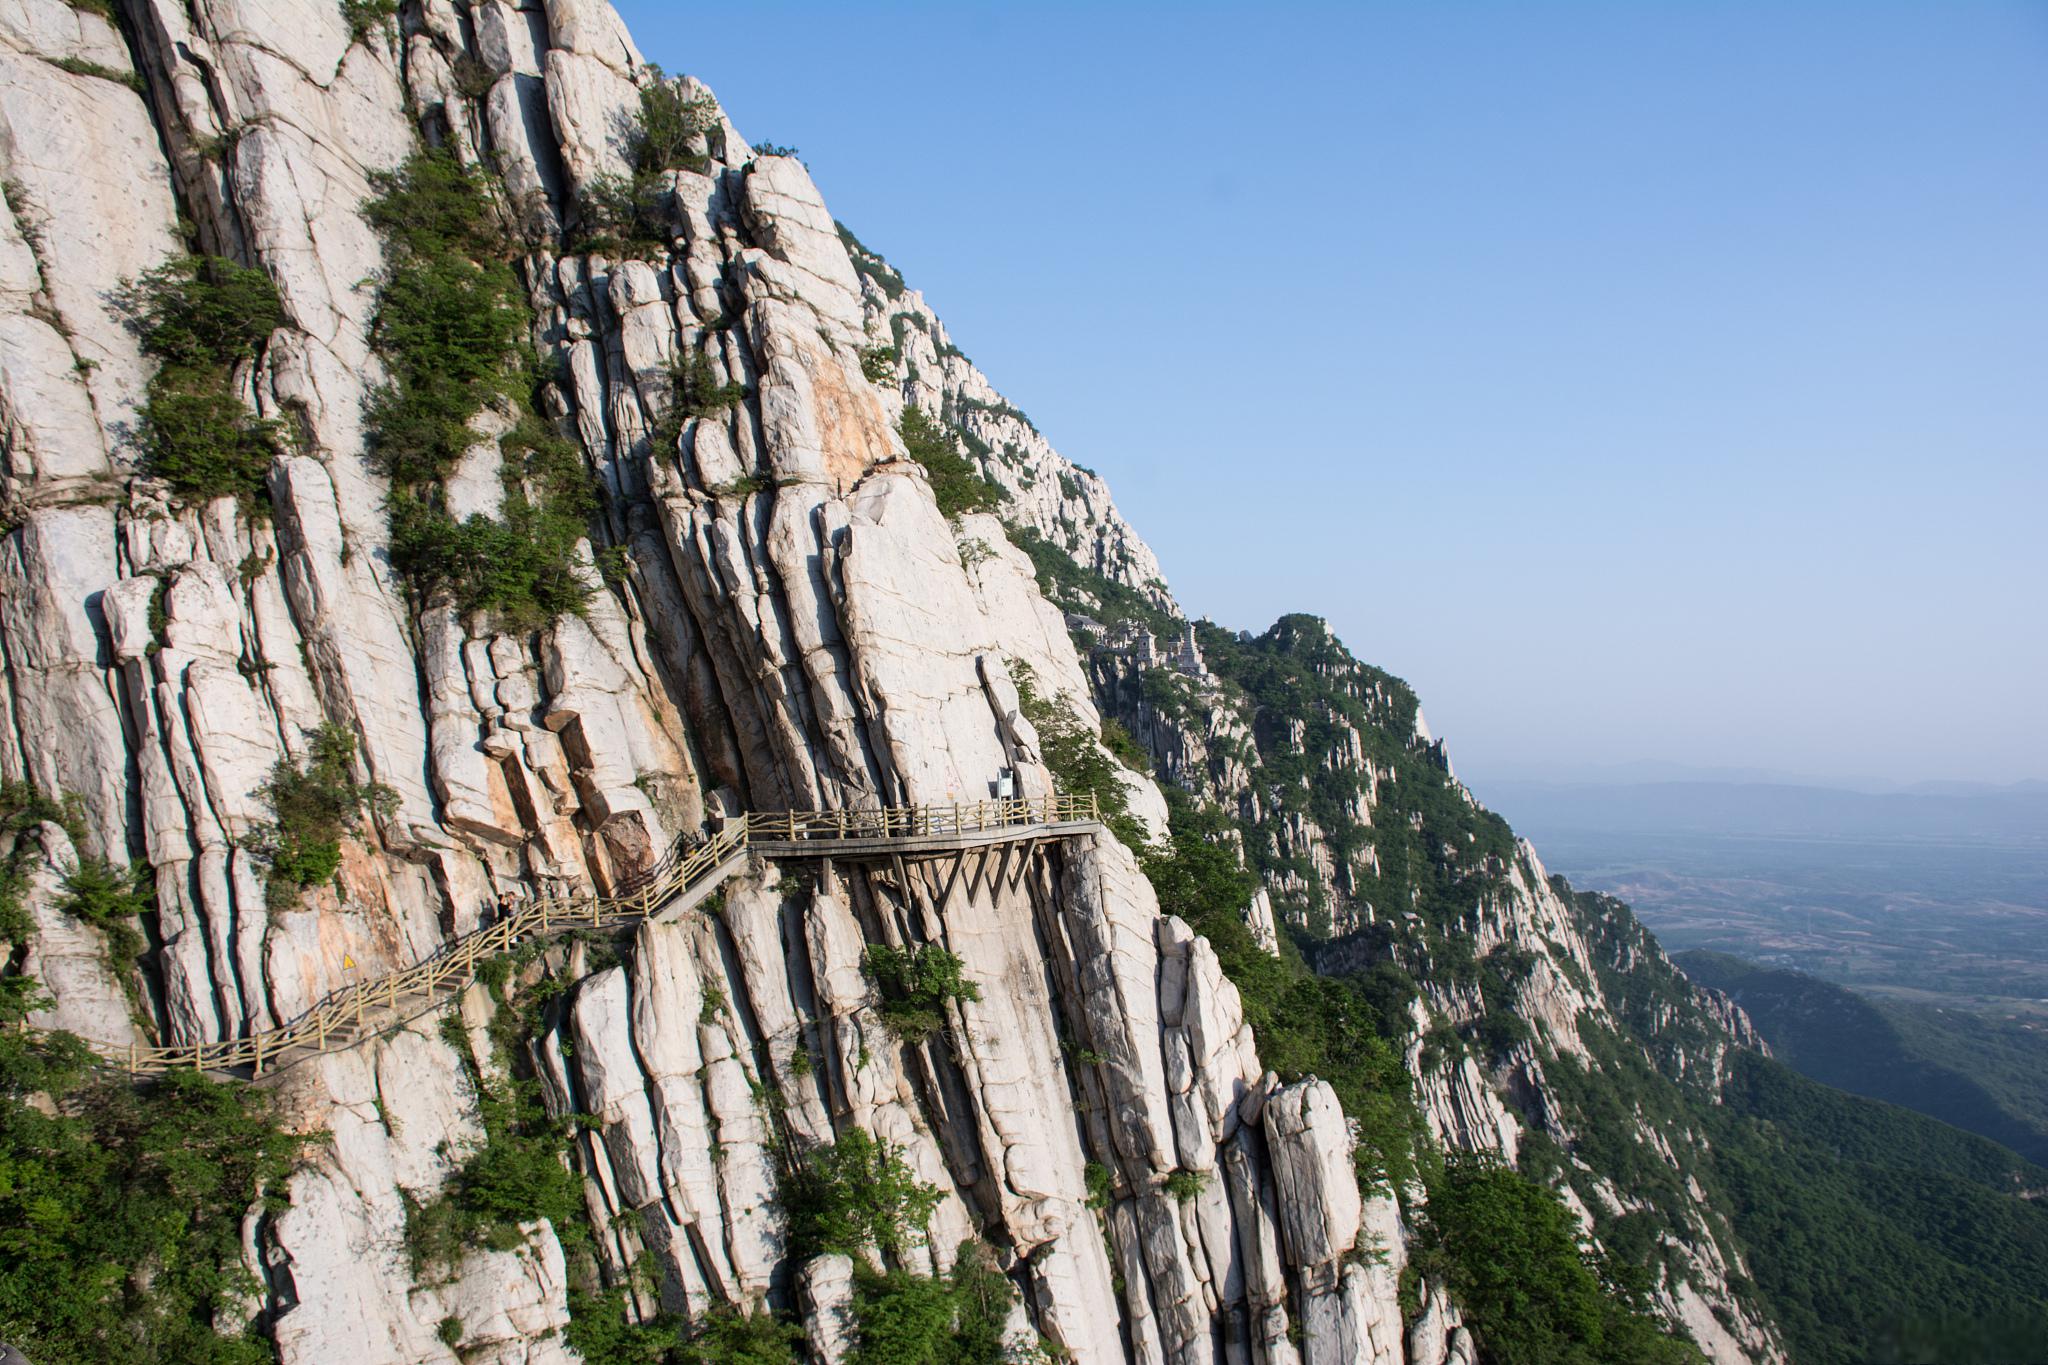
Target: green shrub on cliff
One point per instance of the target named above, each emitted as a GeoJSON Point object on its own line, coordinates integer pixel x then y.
{"type": "Point", "coordinates": [203, 441]}
{"type": "Point", "coordinates": [1076, 755]}
{"type": "Point", "coordinates": [878, 363]}
{"type": "Point", "coordinates": [121, 1207]}
{"type": "Point", "coordinates": [364, 17]}
{"type": "Point", "coordinates": [110, 899]}
{"type": "Point", "coordinates": [956, 483]}
{"type": "Point", "coordinates": [617, 214]}
{"type": "Point", "coordinates": [313, 806]}
{"type": "Point", "coordinates": [22, 808]}
{"type": "Point", "coordinates": [205, 311]}
{"type": "Point", "coordinates": [672, 126]}
{"type": "Point", "coordinates": [698, 392]}
{"type": "Point", "coordinates": [857, 1193]}
{"type": "Point", "coordinates": [906, 1319]}
{"type": "Point", "coordinates": [199, 317]}
{"type": "Point", "coordinates": [603, 1335]}
{"type": "Point", "coordinates": [1508, 1250]}
{"type": "Point", "coordinates": [916, 984]}
{"type": "Point", "coordinates": [451, 321]}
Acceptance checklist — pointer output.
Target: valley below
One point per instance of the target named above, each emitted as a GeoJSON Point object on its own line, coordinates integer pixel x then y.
{"type": "Point", "coordinates": [1938, 917]}
{"type": "Point", "coordinates": [1908, 965]}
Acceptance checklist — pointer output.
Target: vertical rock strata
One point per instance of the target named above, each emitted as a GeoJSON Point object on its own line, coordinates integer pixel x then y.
{"type": "Point", "coordinates": [1310, 834]}
{"type": "Point", "coordinates": [786, 620]}
{"type": "Point", "coordinates": [1369, 846]}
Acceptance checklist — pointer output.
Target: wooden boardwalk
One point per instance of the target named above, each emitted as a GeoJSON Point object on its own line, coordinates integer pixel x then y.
{"type": "Point", "coordinates": [681, 881]}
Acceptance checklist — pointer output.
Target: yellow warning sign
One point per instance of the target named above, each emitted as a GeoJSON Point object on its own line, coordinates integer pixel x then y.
{"type": "Point", "coordinates": [347, 961]}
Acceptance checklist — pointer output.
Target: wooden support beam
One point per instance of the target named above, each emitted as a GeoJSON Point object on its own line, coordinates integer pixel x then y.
{"type": "Point", "coordinates": [1030, 850]}
{"type": "Point", "coordinates": [953, 880]}
{"type": "Point", "coordinates": [1002, 868]}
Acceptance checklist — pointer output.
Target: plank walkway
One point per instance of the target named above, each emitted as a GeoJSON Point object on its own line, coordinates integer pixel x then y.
{"type": "Point", "coordinates": [682, 880]}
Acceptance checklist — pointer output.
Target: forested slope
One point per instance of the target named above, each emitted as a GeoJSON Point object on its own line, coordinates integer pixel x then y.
{"type": "Point", "coordinates": [1904, 1054]}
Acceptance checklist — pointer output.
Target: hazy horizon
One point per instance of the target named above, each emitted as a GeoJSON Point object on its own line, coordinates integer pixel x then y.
{"type": "Point", "coordinates": [1642, 383]}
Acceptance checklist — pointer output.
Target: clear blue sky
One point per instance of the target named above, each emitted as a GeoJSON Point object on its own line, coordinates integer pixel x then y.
{"type": "Point", "coordinates": [1641, 381]}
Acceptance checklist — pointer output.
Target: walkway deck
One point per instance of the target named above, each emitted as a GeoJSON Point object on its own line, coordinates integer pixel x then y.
{"type": "Point", "coordinates": [680, 882]}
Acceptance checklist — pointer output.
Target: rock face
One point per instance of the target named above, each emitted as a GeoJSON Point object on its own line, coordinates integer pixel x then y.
{"type": "Point", "coordinates": [1066, 505]}
{"type": "Point", "coordinates": [821, 640]}
{"type": "Point", "coordinates": [789, 621]}
{"type": "Point", "coordinates": [1371, 850]}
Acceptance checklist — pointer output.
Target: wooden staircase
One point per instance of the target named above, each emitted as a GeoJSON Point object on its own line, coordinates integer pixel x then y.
{"type": "Point", "coordinates": [680, 882]}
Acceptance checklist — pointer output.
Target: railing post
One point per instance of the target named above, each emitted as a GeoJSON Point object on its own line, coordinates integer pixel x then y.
{"type": "Point", "coordinates": [257, 1041]}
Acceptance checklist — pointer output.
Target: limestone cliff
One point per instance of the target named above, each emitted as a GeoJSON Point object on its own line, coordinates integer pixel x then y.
{"type": "Point", "coordinates": [774, 613]}
{"type": "Point", "coordinates": [790, 624]}
{"type": "Point", "coordinates": [1045, 495]}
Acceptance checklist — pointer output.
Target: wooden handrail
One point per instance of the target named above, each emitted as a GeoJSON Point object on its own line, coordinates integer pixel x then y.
{"type": "Point", "coordinates": [922, 821]}
{"type": "Point", "coordinates": [639, 899]}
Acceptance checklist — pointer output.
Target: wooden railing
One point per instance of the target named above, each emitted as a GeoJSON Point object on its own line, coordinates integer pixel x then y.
{"type": "Point", "coordinates": [341, 1018]}
{"type": "Point", "coordinates": [913, 822]}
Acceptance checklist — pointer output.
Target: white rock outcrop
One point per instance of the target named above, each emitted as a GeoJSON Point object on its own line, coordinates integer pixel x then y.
{"type": "Point", "coordinates": [798, 625]}
{"type": "Point", "coordinates": [784, 619]}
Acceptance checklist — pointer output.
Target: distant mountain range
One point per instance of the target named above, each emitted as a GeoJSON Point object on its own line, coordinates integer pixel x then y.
{"type": "Point", "coordinates": [1657, 771]}
{"type": "Point", "coordinates": [1943, 812]}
